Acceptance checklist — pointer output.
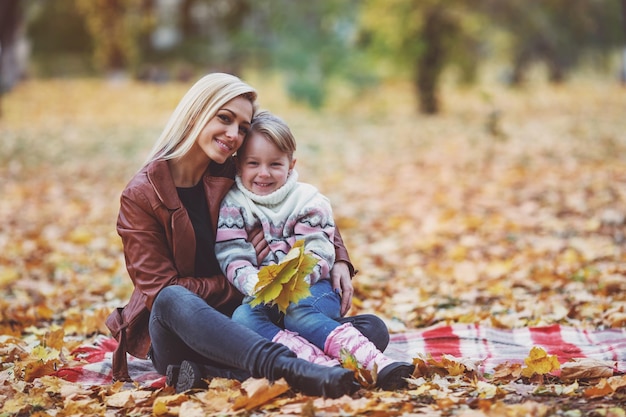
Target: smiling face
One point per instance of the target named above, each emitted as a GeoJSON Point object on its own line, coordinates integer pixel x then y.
{"type": "Point", "coordinates": [224, 133]}
{"type": "Point", "coordinates": [262, 166]}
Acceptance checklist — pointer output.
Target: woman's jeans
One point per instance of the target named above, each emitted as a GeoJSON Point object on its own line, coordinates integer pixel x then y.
{"type": "Point", "coordinates": [184, 327]}
{"type": "Point", "coordinates": [314, 318]}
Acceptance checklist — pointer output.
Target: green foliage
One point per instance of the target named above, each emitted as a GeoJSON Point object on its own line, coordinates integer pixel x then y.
{"type": "Point", "coordinates": [313, 43]}
{"type": "Point", "coordinates": [116, 28]}
{"type": "Point", "coordinates": [57, 48]}
{"type": "Point", "coordinates": [423, 38]}
{"type": "Point", "coordinates": [558, 33]}
{"type": "Point", "coordinates": [316, 43]}
{"type": "Point", "coordinates": [57, 27]}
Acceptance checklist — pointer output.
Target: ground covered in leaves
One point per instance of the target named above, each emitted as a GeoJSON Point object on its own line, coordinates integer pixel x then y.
{"type": "Point", "coordinates": [508, 210]}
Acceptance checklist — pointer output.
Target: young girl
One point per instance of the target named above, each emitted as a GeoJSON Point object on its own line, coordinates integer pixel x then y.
{"type": "Point", "coordinates": [267, 193]}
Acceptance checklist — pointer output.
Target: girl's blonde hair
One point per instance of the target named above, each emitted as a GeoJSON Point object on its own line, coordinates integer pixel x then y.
{"type": "Point", "coordinates": [199, 105]}
{"type": "Point", "coordinates": [275, 130]}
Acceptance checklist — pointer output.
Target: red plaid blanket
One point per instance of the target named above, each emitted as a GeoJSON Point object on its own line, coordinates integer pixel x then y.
{"type": "Point", "coordinates": [475, 342]}
{"type": "Point", "coordinates": [98, 370]}
{"type": "Point", "coordinates": [493, 346]}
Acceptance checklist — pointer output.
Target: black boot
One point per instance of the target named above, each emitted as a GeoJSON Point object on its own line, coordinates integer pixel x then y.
{"type": "Point", "coordinates": [312, 379]}
{"type": "Point", "coordinates": [171, 375]}
{"type": "Point", "coordinates": [392, 377]}
{"type": "Point", "coordinates": [189, 375]}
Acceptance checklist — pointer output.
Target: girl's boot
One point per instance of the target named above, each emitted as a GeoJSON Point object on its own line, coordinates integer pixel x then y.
{"type": "Point", "coordinates": [391, 374]}
{"type": "Point", "coordinates": [304, 349]}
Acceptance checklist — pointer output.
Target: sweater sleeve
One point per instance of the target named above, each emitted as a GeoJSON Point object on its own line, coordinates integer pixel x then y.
{"type": "Point", "coordinates": [316, 226]}
{"type": "Point", "coordinates": [236, 256]}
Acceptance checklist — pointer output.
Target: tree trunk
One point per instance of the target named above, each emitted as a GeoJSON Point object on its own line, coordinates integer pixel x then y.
{"type": "Point", "coordinates": [11, 70]}
{"type": "Point", "coordinates": [624, 49]}
{"type": "Point", "coordinates": [431, 63]}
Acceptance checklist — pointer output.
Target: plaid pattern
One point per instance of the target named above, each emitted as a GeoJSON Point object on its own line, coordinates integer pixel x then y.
{"type": "Point", "coordinates": [488, 345]}
{"type": "Point", "coordinates": [493, 346]}
{"type": "Point", "coordinates": [98, 370]}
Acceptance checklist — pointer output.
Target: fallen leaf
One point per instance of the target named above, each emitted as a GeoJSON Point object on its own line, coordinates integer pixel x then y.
{"type": "Point", "coordinates": [586, 368]}
{"type": "Point", "coordinates": [539, 362]}
{"type": "Point", "coordinates": [601, 389]}
{"type": "Point", "coordinates": [128, 399]}
{"type": "Point", "coordinates": [259, 391]}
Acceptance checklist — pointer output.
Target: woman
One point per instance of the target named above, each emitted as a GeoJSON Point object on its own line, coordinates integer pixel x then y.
{"type": "Point", "coordinates": [178, 312]}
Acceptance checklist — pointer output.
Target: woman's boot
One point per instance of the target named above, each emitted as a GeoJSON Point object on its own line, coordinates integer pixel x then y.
{"type": "Point", "coordinates": [279, 362]}
{"type": "Point", "coordinates": [314, 380]}
{"type": "Point", "coordinates": [189, 375]}
{"type": "Point", "coordinates": [304, 349]}
{"type": "Point", "coordinates": [391, 374]}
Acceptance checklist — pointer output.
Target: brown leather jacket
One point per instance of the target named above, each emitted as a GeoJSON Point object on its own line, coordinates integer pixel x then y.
{"type": "Point", "coordinates": [159, 248]}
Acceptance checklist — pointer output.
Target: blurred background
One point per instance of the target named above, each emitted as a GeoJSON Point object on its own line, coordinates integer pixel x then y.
{"type": "Point", "coordinates": [473, 151]}
{"type": "Point", "coordinates": [313, 46]}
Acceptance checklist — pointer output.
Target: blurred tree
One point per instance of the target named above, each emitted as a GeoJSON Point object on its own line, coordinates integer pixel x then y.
{"type": "Point", "coordinates": [423, 37]}
{"type": "Point", "coordinates": [116, 28]}
{"type": "Point", "coordinates": [10, 17]}
{"type": "Point", "coordinates": [214, 32]}
{"type": "Point", "coordinates": [559, 33]}
{"type": "Point", "coordinates": [311, 43]}
{"type": "Point", "coordinates": [58, 49]}
{"type": "Point", "coordinates": [623, 59]}
{"type": "Point", "coordinates": [11, 24]}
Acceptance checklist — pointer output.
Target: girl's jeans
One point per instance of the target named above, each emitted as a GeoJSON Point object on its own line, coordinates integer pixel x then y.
{"type": "Point", "coordinates": [313, 318]}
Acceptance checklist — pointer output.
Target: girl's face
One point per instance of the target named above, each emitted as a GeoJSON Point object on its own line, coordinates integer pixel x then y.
{"type": "Point", "coordinates": [262, 166]}
{"type": "Point", "coordinates": [224, 133]}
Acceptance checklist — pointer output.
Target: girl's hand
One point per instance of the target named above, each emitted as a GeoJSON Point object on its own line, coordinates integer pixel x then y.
{"type": "Point", "coordinates": [342, 284]}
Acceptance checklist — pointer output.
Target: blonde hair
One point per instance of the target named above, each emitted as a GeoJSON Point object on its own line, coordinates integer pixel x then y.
{"type": "Point", "coordinates": [199, 105]}
{"type": "Point", "coordinates": [274, 129]}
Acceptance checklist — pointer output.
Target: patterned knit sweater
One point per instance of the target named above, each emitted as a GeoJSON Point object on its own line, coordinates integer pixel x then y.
{"type": "Point", "coordinates": [293, 212]}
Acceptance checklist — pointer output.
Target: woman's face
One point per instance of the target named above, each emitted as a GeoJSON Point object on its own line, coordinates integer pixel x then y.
{"type": "Point", "coordinates": [262, 166]}
{"type": "Point", "coordinates": [224, 133]}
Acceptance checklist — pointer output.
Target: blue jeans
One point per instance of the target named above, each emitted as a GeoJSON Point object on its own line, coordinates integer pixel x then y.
{"type": "Point", "coordinates": [184, 327]}
{"type": "Point", "coordinates": [313, 318]}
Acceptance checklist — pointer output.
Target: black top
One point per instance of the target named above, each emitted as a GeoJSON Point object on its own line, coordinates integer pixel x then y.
{"type": "Point", "coordinates": [194, 200]}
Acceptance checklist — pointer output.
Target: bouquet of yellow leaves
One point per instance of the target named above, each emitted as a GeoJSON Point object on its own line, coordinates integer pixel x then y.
{"type": "Point", "coordinates": [284, 283]}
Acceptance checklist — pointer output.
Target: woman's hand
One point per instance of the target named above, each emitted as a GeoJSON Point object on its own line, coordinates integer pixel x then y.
{"type": "Point", "coordinates": [261, 247]}
{"type": "Point", "coordinates": [342, 284]}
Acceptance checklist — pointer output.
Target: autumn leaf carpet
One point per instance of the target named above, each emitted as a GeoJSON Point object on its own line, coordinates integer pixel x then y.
{"type": "Point", "coordinates": [488, 347]}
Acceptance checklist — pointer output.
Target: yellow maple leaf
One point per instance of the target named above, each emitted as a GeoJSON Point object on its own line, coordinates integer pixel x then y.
{"type": "Point", "coordinates": [297, 288]}
{"type": "Point", "coordinates": [453, 367]}
{"type": "Point", "coordinates": [539, 362]}
{"type": "Point", "coordinates": [54, 339]}
{"type": "Point", "coordinates": [35, 368]}
{"type": "Point", "coordinates": [367, 379]}
{"type": "Point", "coordinates": [283, 283]}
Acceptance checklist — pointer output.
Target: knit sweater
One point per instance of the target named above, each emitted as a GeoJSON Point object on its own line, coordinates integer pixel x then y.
{"type": "Point", "coordinates": [293, 212]}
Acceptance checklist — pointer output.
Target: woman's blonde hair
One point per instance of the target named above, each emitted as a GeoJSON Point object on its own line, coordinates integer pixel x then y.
{"type": "Point", "coordinates": [274, 129]}
{"type": "Point", "coordinates": [199, 105]}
